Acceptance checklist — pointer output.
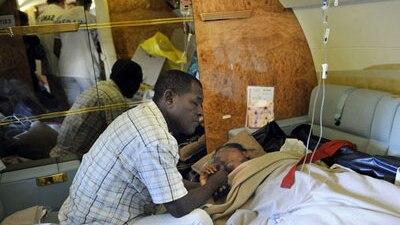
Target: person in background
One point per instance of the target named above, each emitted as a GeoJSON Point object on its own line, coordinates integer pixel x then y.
{"type": "Point", "coordinates": [34, 50]}
{"type": "Point", "coordinates": [132, 165]}
{"type": "Point", "coordinates": [50, 68]}
{"type": "Point", "coordinates": [78, 52]}
{"type": "Point", "coordinates": [79, 131]}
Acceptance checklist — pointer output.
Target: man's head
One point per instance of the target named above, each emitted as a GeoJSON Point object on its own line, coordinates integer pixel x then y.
{"type": "Point", "coordinates": [23, 18]}
{"type": "Point", "coordinates": [230, 156]}
{"type": "Point", "coordinates": [127, 75]}
{"type": "Point", "coordinates": [179, 96]}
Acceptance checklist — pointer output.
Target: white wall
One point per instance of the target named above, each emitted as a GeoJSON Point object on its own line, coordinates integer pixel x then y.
{"type": "Point", "coordinates": [362, 33]}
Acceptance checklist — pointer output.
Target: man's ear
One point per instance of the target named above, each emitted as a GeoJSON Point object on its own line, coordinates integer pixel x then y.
{"type": "Point", "coordinates": [169, 97]}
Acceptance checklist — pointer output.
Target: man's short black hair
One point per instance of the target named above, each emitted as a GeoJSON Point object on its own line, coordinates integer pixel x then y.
{"type": "Point", "coordinates": [178, 81]}
{"type": "Point", "coordinates": [127, 75]}
{"type": "Point", "coordinates": [23, 18]}
{"type": "Point", "coordinates": [54, 1]}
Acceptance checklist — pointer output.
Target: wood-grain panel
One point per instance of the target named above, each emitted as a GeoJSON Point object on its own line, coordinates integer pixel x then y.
{"type": "Point", "coordinates": [267, 49]}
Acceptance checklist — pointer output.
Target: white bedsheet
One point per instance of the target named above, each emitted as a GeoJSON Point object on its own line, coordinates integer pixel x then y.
{"type": "Point", "coordinates": [323, 197]}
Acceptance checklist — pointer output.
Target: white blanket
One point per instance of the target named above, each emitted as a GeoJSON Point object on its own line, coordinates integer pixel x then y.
{"type": "Point", "coordinates": [320, 196]}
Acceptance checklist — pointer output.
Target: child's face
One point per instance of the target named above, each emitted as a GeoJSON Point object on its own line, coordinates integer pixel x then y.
{"type": "Point", "coordinates": [230, 158]}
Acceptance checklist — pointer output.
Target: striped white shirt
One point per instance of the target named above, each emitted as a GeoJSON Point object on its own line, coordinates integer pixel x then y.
{"type": "Point", "coordinates": [131, 167]}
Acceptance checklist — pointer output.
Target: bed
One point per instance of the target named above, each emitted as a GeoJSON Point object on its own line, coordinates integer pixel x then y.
{"type": "Point", "coordinates": [319, 195]}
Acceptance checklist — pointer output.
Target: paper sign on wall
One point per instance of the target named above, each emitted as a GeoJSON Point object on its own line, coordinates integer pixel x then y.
{"type": "Point", "coordinates": [260, 106]}
{"type": "Point", "coordinates": [7, 21]}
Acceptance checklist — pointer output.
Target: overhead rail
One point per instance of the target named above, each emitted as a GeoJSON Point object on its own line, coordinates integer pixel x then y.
{"type": "Point", "coordinates": [72, 27]}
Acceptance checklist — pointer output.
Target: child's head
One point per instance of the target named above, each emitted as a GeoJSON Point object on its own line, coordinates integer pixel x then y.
{"type": "Point", "coordinates": [230, 156]}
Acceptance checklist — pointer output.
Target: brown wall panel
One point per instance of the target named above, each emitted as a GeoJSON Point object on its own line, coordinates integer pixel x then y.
{"type": "Point", "coordinates": [267, 49]}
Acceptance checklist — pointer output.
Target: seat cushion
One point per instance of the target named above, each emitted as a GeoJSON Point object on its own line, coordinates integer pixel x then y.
{"type": "Point", "coordinates": [366, 116]}
{"type": "Point", "coordinates": [394, 144]}
{"type": "Point", "coordinates": [381, 127]}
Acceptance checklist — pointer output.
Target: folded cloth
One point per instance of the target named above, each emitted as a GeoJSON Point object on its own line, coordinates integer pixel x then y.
{"type": "Point", "coordinates": [31, 215]}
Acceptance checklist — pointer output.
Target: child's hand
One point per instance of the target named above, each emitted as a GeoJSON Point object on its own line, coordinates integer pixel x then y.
{"type": "Point", "coordinates": [205, 172]}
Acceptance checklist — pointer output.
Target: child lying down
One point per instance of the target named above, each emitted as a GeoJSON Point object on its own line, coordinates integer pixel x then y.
{"type": "Point", "coordinates": [318, 196]}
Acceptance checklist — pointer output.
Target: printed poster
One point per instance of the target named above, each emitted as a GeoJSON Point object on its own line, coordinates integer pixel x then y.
{"type": "Point", "coordinates": [260, 106]}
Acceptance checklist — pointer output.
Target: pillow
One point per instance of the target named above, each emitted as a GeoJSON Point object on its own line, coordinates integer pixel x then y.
{"type": "Point", "coordinates": [243, 138]}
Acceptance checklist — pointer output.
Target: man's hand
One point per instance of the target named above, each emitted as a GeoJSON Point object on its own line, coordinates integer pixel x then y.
{"type": "Point", "coordinates": [206, 172]}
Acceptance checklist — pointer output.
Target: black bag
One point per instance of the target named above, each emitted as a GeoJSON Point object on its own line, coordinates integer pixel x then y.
{"type": "Point", "coordinates": [381, 167]}
{"type": "Point", "coordinates": [271, 137]}
{"type": "Point", "coordinates": [301, 133]}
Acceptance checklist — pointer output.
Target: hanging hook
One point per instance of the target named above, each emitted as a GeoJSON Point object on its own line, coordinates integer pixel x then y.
{"type": "Point", "coordinates": [10, 32]}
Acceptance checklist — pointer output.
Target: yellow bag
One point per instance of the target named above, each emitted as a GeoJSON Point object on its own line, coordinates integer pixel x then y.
{"type": "Point", "coordinates": [160, 45]}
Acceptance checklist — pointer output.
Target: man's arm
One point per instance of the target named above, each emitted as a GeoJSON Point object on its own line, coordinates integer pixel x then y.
{"type": "Point", "coordinates": [190, 185]}
{"type": "Point", "coordinates": [196, 196]}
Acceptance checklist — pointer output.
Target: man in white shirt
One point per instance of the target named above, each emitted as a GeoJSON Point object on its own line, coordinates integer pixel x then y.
{"type": "Point", "coordinates": [49, 16]}
{"type": "Point", "coordinates": [132, 165]}
{"type": "Point", "coordinates": [78, 52]}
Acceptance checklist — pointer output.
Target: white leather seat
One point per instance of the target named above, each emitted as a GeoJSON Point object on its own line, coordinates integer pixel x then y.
{"type": "Point", "coordinates": [367, 118]}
